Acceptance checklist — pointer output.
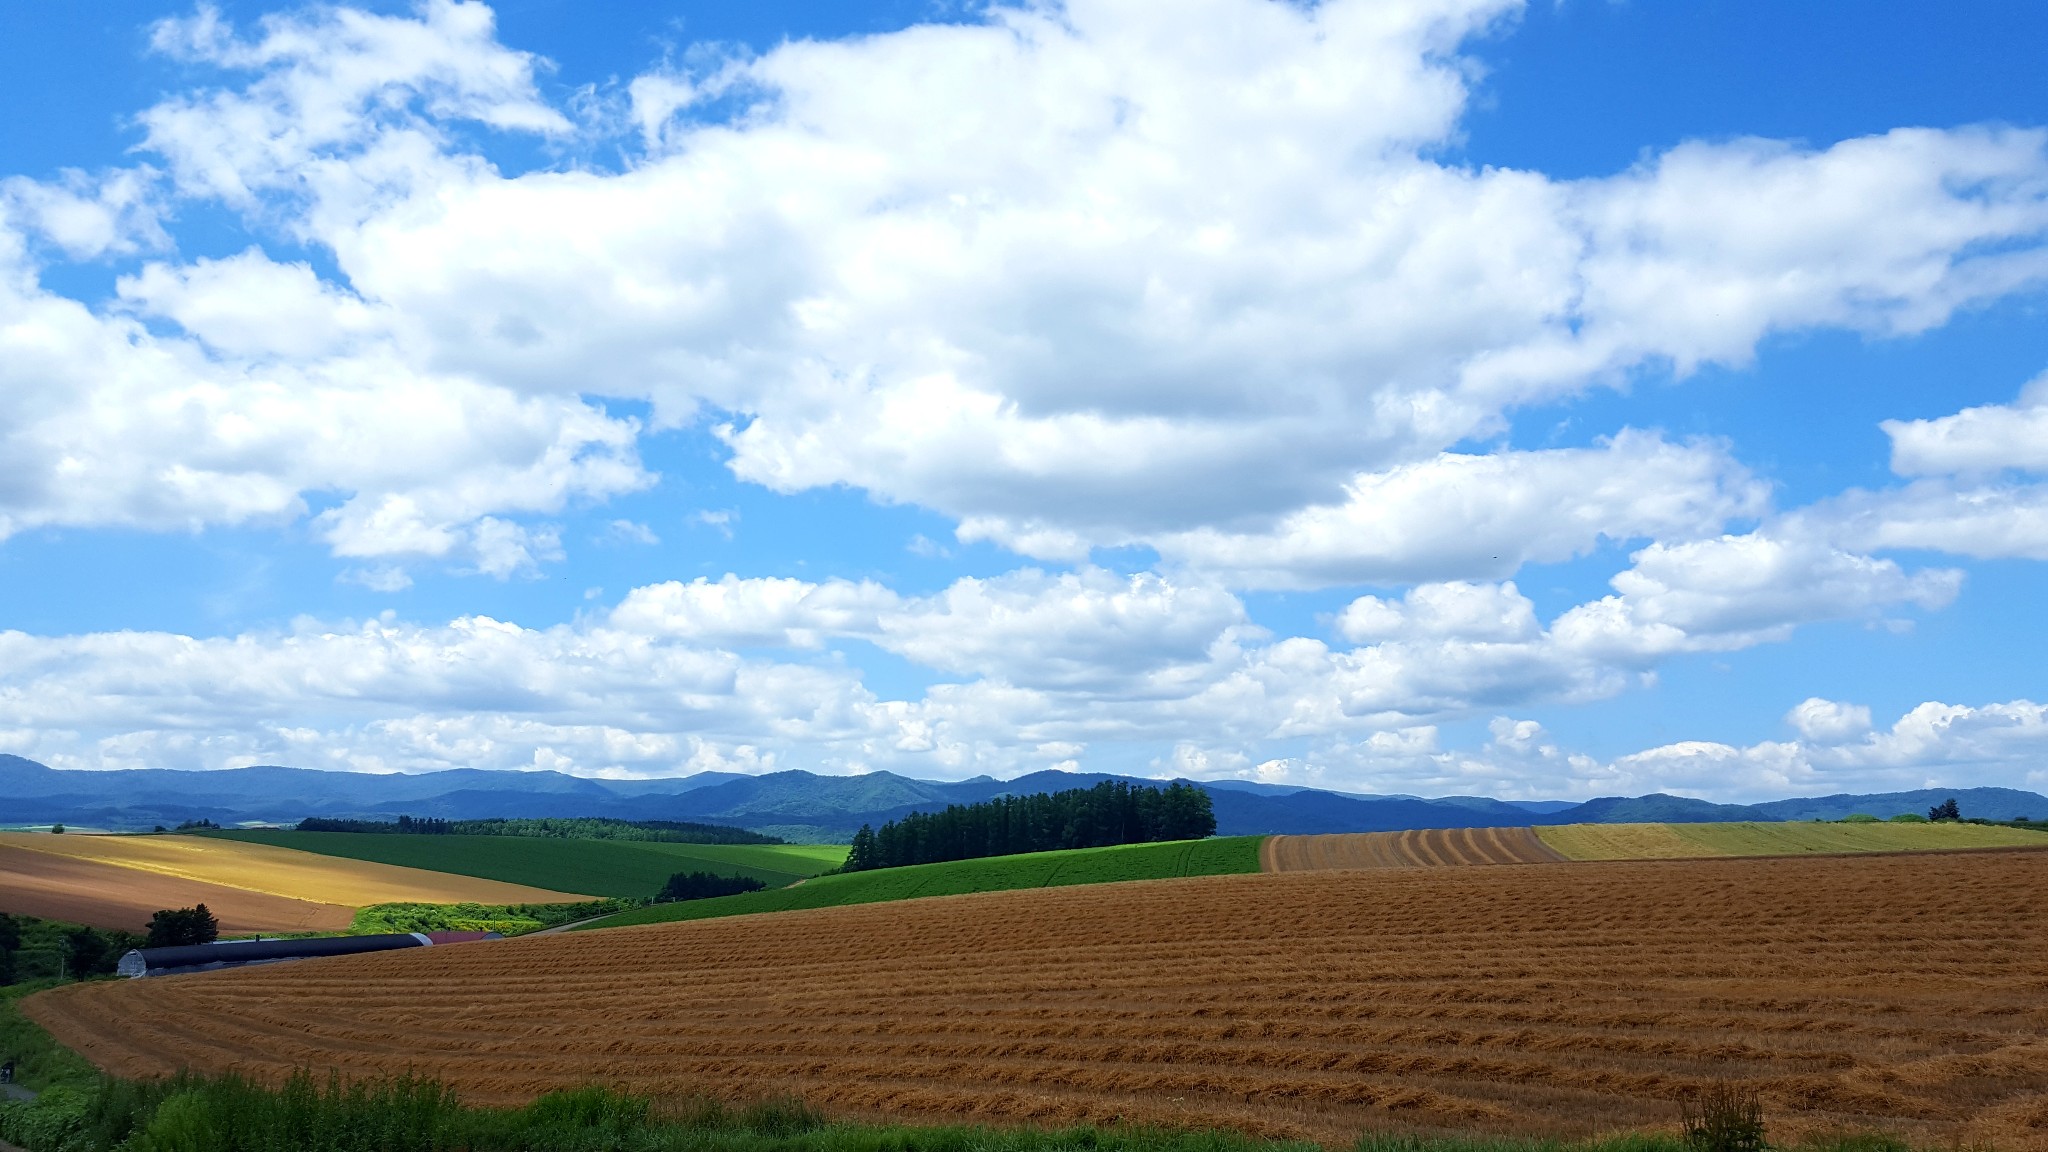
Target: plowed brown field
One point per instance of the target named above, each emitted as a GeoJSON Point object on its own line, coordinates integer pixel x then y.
{"type": "Point", "coordinates": [1907, 992]}
{"type": "Point", "coordinates": [1421, 848]}
{"type": "Point", "coordinates": [108, 896]}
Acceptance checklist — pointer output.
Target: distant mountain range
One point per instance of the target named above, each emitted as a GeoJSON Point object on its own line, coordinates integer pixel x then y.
{"type": "Point", "coordinates": [806, 806]}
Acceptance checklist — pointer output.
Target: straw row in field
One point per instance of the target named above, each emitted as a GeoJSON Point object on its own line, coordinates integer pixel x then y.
{"type": "Point", "coordinates": [1892, 991]}
{"type": "Point", "coordinates": [1424, 847]}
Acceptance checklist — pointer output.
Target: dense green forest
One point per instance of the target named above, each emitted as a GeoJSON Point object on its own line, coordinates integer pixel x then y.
{"type": "Point", "coordinates": [1108, 814]}
{"type": "Point", "coordinates": [551, 828]}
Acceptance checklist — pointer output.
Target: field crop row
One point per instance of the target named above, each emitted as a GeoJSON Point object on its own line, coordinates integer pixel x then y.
{"type": "Point", "coordinates": [1213, 857]}
{"type": "Point", "coordinates": [1417, 848]}
{"type": "Point", "coordinates": [597, 867]}
{"type": "Point", "coordinates": [1788, 838]}
{"type": "Point", "coordinates": [1895, 992]}
{"type": "Point", "coordinates": [1442, 847]}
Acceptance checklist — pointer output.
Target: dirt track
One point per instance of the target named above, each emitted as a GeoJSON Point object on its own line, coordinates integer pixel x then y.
{"type": "Point", "coordinates": [108, 896]}
{"type": "Point", "coordinates": [1422, 848]}
{"type": "Point", "coordinates": [1903, 992]}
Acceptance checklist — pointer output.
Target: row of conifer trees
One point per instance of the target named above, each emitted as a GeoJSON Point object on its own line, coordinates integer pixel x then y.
{"type": "Point", "coordinates": [1110, 813]}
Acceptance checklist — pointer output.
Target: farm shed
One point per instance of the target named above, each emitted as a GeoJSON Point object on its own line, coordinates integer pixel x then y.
{"type": "Point", "coordinates": [241, 953]}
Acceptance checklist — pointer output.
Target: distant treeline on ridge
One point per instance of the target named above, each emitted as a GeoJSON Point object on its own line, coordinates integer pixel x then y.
{"type": "Point", "coordinates": [1110, 813]}
{"type": "Point", "coordinates": [550, 827]}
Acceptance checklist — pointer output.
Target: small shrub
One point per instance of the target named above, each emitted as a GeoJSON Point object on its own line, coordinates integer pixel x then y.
{"type": "Point", "coordinates": [52, 1120]}
{"type": "Point", "coordinates": [1909, 818]}
{"type": "Point", "coordinates": [1859, 818]}
{"type": "Point", "coordinates": [1723, 1117]}
{"type": "Point", "coordinates": [780, 1117]}
{"type": "Point", "coordinates": [590, 1109]}
{"type": "Point", "coordinates": [1850, 1141]}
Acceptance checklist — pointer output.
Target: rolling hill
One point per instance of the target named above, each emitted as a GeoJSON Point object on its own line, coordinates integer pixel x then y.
{"type": "Point", "coordinates": [598, 867]}
{"type": "Point", "coordinates": [1216, 857]}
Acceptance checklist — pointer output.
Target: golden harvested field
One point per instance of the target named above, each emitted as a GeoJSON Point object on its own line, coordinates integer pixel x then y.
{"type": "Point", "coordinates": [1908, 992]}
{"type": "Point", "coordinates": [277, 871]}
{"type": "Point", "coordinates": [106, 896]}
{"type": "Point", "coordinates": [1621, 842]}
{"type": "Point", "coordinates": [1421, 848]}
{"type": "Point", "coordinates": [1786, 838]}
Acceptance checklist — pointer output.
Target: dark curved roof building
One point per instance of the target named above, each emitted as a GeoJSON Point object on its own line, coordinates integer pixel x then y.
{"type": "Point", "coordinates": [241, 953]}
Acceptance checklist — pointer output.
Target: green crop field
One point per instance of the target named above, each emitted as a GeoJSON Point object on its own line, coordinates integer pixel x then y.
{"type": "Point", "coordinates": [1790, 838]}
{"type": "Point", "coordinates": [593, 867]}
{"type": "Point", "coordinates": [994, 874]}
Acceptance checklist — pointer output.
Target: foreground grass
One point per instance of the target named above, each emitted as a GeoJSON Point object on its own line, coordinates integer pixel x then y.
{"type": "Point", "coordinates": [39, 1061]}
{"type": "Point", "coordinates": [230, 1114]}
{"type": "Point", "coordinates": [598, 867]}
{"type": "Point", "coordinates": [407, 1114]}
{"type": "Point", "coordinates": [1786, 838]}
{"type": "Point", "coordinates": [1214, 857]}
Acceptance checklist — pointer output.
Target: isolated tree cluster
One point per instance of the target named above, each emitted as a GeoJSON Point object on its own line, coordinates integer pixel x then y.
{"type": "Point", "coordinates": [175, 927]}
{"type": "Point", "coordinates": [1110, 813]}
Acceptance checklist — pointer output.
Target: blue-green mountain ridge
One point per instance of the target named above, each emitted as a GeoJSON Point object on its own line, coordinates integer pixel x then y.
{"type": "Point", "coordinates": [805, 806]}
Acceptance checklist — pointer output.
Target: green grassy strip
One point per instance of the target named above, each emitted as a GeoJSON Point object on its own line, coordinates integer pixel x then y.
{"type": "Point", "coordinates": [593, 867]}
{"type": "Point", "coordinates": [39, 1061]}
{"type": "Point", "coordinates": [1214, 857]}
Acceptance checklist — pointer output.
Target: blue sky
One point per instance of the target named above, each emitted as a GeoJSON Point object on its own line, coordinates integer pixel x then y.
{"type": "Point", "coordinates": [1432, 396]}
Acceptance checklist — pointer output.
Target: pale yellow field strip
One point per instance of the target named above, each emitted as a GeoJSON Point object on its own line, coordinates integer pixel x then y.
{"type": "Point", "coordinates": [1620, 842]}
{"type": "Point", "coordinates": [283, 871]}
{"type": "Point", "coordinates": [1790, 838]}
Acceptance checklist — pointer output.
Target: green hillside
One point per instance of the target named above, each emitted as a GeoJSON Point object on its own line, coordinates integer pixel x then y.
{"type": "Point", "coordinates": [1212, 857]}
{"type": "Point", "coordinates": [594, 867]}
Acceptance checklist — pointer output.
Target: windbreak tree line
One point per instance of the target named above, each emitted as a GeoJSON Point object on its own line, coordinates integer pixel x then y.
{"type": "Point", "coordinates": [704, 886]}
{"type": "Point", "coordinates": [1110, 813]}
{"type": "Point", "coordinates": [549, 827]}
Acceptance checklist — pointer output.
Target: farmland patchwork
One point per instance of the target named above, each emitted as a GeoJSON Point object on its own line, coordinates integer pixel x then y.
{"type": "Point", "coordinates": [134, 875]}
{"type": "Point", "coordinates": [1894, 991]}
